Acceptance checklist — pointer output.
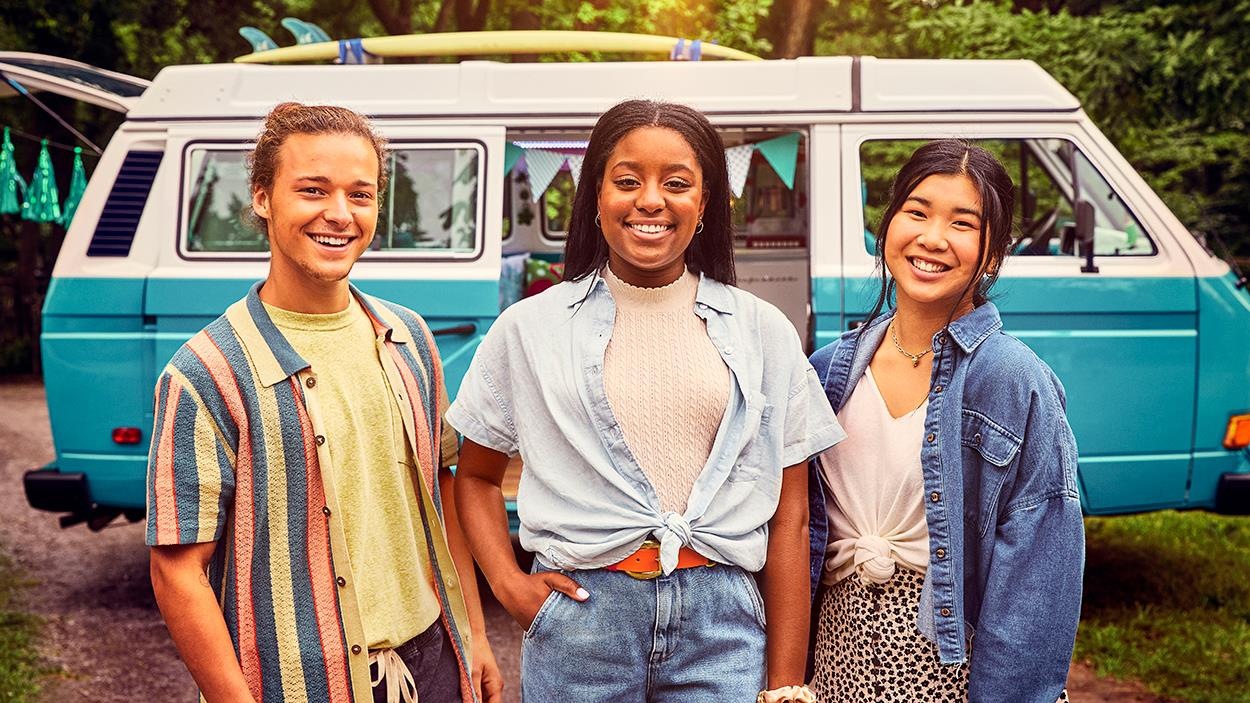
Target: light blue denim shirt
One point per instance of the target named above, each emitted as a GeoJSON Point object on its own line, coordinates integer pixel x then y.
{"type": "Point", "coordinates": [1006, 538]}
{"type": "Point", "coordinates": [536, 387]}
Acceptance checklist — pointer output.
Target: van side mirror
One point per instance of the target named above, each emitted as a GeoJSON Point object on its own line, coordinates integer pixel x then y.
{"type": "Point", "coordinates": [1085, 234]}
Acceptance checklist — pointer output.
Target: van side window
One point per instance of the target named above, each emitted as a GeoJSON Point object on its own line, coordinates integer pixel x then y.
{"type": "Point", "coordinates": [431, 203]}
{"type": "Point", "coordinates": [216, 220]}
{"type": "Point", "coordinates": [430, 206]}
{"type": "Point", "coordinates": [1046, 189]}
{"type": "Point", "coordinates": [770, 214]}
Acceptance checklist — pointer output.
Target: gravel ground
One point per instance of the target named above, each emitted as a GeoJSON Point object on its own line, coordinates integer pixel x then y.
{"type": "Point", "coordinates": [103, 636]}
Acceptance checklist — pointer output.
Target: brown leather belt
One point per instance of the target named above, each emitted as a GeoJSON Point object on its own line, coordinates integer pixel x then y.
{"type": "Point", "coordinates": [645, 563]}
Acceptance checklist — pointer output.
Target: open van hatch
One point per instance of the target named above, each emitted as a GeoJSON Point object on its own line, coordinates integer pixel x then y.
{"type": "Point", "coordinates": [37, 73]}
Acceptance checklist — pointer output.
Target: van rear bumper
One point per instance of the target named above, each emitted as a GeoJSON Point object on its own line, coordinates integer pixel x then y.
{"type": "Point", "coordinates": [50, 489]}
{"type": "Point", "coordinates": [1232, 494]}
{"type": "Point", "coordinates": [59, 491]}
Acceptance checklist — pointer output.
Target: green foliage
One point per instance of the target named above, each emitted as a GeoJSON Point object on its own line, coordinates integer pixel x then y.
{"type": "Point", "coordinates": [1167, 602]}
{"type": "Point", "coordinates": [558, 202]}
{"type": "Point", "coordinates": [19, 664]}
{"type": "Point", "coordinates": [1169, 84]}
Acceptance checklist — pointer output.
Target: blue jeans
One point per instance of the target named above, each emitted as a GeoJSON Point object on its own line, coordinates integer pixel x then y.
{"type": "Point", "coordinates": [432, 662]}
{"type": "Point", "coordinates": [694, 636]}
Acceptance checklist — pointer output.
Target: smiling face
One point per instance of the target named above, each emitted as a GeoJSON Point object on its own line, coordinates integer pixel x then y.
{"type": "Point", "coordinates": [321, 213]}
{"type": "Point", "coordinates": [650, 202]}
{"type": "Point", "coordinates": [932, 245]}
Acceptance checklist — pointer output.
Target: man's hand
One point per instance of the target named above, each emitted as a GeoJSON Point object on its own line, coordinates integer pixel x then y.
{"type": "Point", "coordinates": [486, 677]}
{"type": "Point", "coordinates": [195, 621]}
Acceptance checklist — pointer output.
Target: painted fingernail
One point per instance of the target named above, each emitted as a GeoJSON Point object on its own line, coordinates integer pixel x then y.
{"type": "Point", "coordinates": [582, 594]}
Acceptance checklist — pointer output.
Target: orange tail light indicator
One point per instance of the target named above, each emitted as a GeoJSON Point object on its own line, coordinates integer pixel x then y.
{"type": "Point", "coordinates": [1238, 434]}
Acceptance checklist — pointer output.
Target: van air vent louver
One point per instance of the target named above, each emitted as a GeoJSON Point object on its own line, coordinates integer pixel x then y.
{"type": "Point", "coordinates": [116, 228]}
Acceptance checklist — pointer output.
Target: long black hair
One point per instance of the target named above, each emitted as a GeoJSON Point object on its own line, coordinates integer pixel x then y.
{"type": "Point", "coordinates": [955, 157]}
{"type": "Point", "coordinates": [711, 252]}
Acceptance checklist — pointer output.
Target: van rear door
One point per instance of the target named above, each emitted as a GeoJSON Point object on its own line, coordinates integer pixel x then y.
{"type": "Point", "coordinates": [436, 249]}
{"type": "Point", "coordinates": [37, 72]}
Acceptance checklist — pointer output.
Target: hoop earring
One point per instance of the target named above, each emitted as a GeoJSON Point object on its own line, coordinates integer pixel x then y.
{"type": "Point", "coordinates": [597, 222]}
{"type": "Point", "coordinates": [699, 227]}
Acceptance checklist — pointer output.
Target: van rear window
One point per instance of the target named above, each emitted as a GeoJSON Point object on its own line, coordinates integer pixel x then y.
{"type": "Point", "coordinates": [431, 206]}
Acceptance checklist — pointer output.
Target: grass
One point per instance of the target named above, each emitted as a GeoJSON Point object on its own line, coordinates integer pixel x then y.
{"type": "Point", "coordinates": [1167, 602]}
{"type": "Point", "coordinates": [19, 664]}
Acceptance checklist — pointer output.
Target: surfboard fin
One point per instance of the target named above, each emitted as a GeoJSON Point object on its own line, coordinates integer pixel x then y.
{"type": "Point", "coordinates": [258, 39]}
{"type": "Point", "coordinates": [305, 32]}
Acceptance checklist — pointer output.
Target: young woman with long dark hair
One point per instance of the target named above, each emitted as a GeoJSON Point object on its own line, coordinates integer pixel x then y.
{"type": "Point", "coordinates": [659, 412]}
{"type": "Point", "coordinates": [955, 542]}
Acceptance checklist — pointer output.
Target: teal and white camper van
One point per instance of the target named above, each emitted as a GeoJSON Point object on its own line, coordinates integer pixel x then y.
{"type": "Point", "coordinates": [1149, 331]}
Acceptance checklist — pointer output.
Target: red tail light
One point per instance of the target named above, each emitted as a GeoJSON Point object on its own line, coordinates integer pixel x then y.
{"type": "Point", "coordinates": [127, 435]}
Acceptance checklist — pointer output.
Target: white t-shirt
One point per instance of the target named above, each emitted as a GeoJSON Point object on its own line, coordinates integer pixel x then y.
{"type": "Point", "coordinates": [876, 498]}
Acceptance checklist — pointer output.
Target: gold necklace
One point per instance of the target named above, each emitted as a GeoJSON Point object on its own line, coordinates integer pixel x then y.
{"type": "Point", "coordinates": [915, 358]}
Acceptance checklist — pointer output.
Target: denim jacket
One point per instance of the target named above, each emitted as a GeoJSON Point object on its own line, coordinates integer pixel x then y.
{"type": "Point", "coordinates": [997, 450]}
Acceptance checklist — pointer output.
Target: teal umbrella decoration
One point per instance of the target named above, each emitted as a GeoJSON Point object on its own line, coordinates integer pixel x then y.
{"type": "Point", "coordinates": [11, 185]}
{"type": "Point", "coordinates": [43, 203]}
{"type": "Point", "coordinates": [77, 186]}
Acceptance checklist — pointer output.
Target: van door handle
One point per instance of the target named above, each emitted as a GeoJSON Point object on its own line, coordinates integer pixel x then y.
{"type": "Point", "coordinates": [467, 328]}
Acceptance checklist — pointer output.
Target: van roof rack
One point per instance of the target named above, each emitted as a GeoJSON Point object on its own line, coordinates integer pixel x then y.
{"type": "Point", "coordinates": [495, 43]}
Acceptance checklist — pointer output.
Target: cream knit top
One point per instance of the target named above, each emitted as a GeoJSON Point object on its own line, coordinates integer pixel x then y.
{"type": "Point", "coordinates": [666, 383]}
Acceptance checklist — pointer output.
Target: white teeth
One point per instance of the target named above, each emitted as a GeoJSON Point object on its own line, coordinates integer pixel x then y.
{"type": "Point", "coordinates": [651, 229]}
{"type": "Point", "coordinates": [929, 266]}
{"type": "Point", "coordinates": [330, 241]}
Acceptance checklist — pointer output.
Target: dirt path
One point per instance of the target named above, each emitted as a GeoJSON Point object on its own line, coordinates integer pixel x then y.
{"type": "Point", "coordinates": [103, 634]}
{"type": "Point", "coordinates": [102, 630]}
{"type": "Point", "coordinates": [1085, 686]}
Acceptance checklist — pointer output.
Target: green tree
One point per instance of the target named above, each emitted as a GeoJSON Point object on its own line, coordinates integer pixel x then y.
{"type": "Point", "coordinates": [1168, 83]}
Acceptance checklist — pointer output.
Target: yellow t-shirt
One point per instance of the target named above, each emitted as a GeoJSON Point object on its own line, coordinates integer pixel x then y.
{"type": "Point", "coordinates": [373, 472]}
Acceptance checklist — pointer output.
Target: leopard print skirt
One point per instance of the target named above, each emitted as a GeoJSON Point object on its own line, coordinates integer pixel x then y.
{"type": "Point", "coordinates": [868, 647]}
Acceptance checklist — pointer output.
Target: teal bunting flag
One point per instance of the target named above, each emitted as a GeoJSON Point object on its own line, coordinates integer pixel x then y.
{"type": "Point", "coordinates": [43, 203]}
{"type": "Point", "coordinates": [11, 185]}
{"type": "Point", "coordinates": [77, 186]}
{"type": "Point", "coordinates": [511, 154]}
{"type": "Point", "coordinates": [782, 154]}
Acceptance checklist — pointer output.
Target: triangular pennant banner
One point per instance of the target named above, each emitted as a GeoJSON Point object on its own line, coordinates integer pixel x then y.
{"type": "Point", "coordinates": [43, 203]}
{"type": "Point", "coordinates": [543, 167]}
{"type": "Point", "coordinates": [575, 167]}
{"type": "Point", "coordinates": [738, 161]}
{"type": "Point", "coordinates": [10, 198]}
{"type": "Point", "coordinates": [511, 155]}
{"type": "Point", "coordinates": [782, 154]}
{"type": "Point", "coordinates": [77, 186]}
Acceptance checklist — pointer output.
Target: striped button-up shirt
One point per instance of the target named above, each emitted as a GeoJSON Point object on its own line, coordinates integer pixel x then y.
{"type": "Point", "coordinates": [239, 451]}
